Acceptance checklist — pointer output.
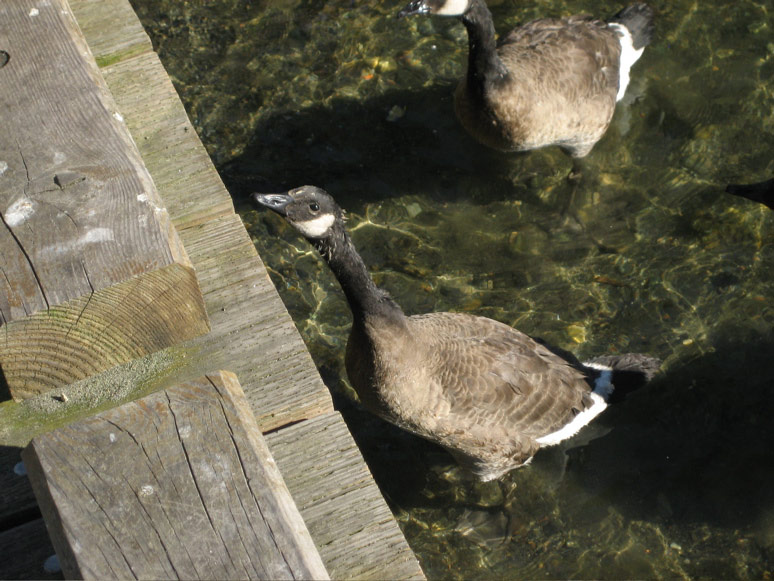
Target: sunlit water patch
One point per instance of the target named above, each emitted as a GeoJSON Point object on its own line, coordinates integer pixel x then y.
{"type": "Point", "coordinates": [650, 255]}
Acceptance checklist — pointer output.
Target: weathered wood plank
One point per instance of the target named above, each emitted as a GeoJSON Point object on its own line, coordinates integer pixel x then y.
{"type": "Point", "coordinates": [79, 214]}
{"type": "Point", "coordinates": [83, 337]}
{"type": "Point", "coordinates": [179, 484]}
{"type": "Point", "coordinates": [252, 332]}
{"type": "Point", "coordinates": [112, 28]}
{"type": "Point", "coordinates": [346, 514]}
{"type": "Point", "coordinates": [26, 553]}
{"type": "Point", "coordinates": [183, 172]}
{"type": "Point", "coordinates": [70, 186]}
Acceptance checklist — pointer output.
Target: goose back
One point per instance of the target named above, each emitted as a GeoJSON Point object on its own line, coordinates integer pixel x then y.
{"type": "Point", "coordinates": [552, 81]}
{"type": "Point", "coordinates": [560, 89]}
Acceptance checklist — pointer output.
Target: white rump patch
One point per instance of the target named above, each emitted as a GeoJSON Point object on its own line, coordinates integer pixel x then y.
{"type": "Point", "coordinates": [629, 56]}
{"type": "Point", "coordinates": [603, 384]}
{"type": "Point", "coordinates": [453, 8]}
{"type": "Point", "coordinates": [602, 390]}
{"type": "Point", "coordinates": [317, 227]}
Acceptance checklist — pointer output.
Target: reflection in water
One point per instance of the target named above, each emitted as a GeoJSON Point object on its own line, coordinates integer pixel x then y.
{"type": "Point", "coordinates": [676, 481]}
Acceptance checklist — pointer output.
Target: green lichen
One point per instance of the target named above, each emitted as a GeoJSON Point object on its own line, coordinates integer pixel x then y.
{"type": "Point", "coordinates": [22, 421]}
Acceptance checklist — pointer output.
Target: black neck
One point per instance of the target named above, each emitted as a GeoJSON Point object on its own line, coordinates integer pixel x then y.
{"type": "Point", "coordinates": [484, 65]}
{"type": "Point", "coordinates": [363, 296]}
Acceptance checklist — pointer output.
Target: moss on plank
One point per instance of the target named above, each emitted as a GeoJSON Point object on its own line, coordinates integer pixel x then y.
{"type": "Point", "coordinates": [22, 421]}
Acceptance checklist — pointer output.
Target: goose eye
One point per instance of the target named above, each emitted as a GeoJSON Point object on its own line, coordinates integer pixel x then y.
{"type": "Point", "coordinates": [314, 206]}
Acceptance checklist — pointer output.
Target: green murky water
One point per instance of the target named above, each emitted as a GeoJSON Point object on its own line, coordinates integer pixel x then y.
{"type": "Point", "coordinates": [678, 480]}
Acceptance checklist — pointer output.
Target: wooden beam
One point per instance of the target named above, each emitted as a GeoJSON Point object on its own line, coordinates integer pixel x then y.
{"type": "Point", "coordinates": [347, 516]}
{"type": "Point", "coordinates": [184, 174]}
{"type": "Point", "coordinates": [92, 272]}
{"type": "Point", "coordinates": [112, 28]}
{"type": "Point", "coordinates": [177, 485]}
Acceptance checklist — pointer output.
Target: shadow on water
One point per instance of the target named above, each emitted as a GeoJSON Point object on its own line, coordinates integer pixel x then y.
{"type": "Point", "coordinates": [695, 445]}
{"type": "Point", "coordinates": [346, 146]}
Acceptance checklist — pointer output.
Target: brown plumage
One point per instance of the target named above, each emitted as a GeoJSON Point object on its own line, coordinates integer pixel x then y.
{"type": "Point", "coordinates": [486, 392]}
{"type": "Point", "coordinates": [548, 82]}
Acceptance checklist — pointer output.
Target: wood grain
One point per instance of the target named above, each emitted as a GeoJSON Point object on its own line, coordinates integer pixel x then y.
{"type": "Point", "coordinates": [340, 502]}
{"type": "Point", "coordinates": [177, 485]}
{"type": "Point", "coordinates": [112, 28]}
{"type": "Point", "coordinates": [83, 337]}
{"type": "Point", "coordinates": [183, 172]}
{"type": "Point", "coordinates": [79, 212]}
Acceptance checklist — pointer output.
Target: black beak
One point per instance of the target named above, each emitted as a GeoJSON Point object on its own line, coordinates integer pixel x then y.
{"type": "Point", "coordinates": [276, 202]}
{"type": "Point", "coordinates": [414, 7]}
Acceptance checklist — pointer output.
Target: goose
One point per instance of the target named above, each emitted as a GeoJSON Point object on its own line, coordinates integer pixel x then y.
{"type": "Point", "coordinates": [762, 192]}
{"type": "Point", "coordinates": [489, 394]}
{"type": "Point", "coordinates": [552, 81]}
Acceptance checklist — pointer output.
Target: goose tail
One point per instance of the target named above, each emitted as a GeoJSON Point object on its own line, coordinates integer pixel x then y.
{"type": "Point", "coordinates": [615, 376]}
{"type": "Point", "coordinates": [638, 19]}
{"type": "Point", "coordinates": [762, 192]}
{"type": "Point", "coordinates": [612, 377]}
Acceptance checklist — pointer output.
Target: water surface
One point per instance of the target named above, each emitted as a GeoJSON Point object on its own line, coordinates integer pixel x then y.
{"type": "Point", "coordinates": [651, 255]}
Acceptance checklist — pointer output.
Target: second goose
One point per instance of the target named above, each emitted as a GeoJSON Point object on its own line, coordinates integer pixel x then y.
{"type": "Point", "coordinates": [489, 394]}
{"type": "Point", "coordinates": [553, 81]}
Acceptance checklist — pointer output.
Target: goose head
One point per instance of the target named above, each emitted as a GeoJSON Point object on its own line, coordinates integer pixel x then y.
{"type": "Point", "coordinates": [309, 209]}
{"type": "Point", "coordinates": [442, 7]}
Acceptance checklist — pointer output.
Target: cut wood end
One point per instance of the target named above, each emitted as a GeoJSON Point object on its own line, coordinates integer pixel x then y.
{"type": "Point", "coordinates": [67, 343]}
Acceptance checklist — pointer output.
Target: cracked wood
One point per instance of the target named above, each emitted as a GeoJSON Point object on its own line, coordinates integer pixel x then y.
{"type": "Point", "coordinates": [179, 484]}
{"type": "Point", "coordinates": [79, 214]}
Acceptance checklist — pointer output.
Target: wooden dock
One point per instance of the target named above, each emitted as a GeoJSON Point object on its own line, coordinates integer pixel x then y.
{"type": "Point", "coordinates": [193, 222]}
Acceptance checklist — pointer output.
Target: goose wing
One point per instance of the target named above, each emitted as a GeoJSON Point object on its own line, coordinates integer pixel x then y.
{"type": "Point", "coordinates": [577, 54]}
{"type": "Point", "coordinates": [491, 375]}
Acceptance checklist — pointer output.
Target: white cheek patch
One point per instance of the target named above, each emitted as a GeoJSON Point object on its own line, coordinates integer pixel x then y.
{"type": "Point", "coordinates": [453, 8]}
{"type": "Point", "coordinates": [317, 227]}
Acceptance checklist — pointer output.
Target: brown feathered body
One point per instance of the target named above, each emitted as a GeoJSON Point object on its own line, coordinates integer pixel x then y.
{"type": "Point", "coordinates": [561, 87]}
{"type": "Point", "coordinates": [481, 389]}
